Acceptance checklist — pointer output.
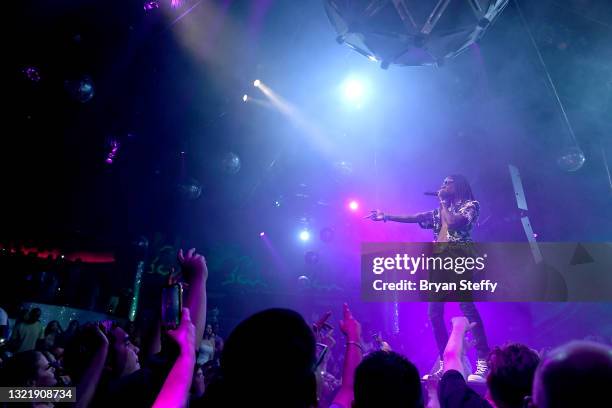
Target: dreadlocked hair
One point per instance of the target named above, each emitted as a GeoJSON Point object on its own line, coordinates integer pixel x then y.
{"type": "Point", "coordinates": [462, 187]}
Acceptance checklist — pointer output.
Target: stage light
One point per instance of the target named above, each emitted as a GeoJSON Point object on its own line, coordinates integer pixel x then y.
{"type": "Point", "coordinates": [304, 235]}
{"type": "Point", "coordinates": [353, 90]}
{"type": "Point", "coordinates": [353, 205]}
{"type": "Point", "coordinates": [411, 32]}
{"type": "Point", "coordinates": [245, 98]}
{"type": "Point", "coordinates": [261, 234]}
{"type": "Point", "coordinates": [256, 83]}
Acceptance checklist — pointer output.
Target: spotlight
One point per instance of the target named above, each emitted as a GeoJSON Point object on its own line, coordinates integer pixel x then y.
{"type": "Point", "coordinates": [304, 235]}
{"type": "Point", "coordinates": [353, 205]}
{"type": "Point", "coordinates": [256, 83]}
{"type": "Point", "coordinates": [261, 234]}
{"type": "Point", "coordinates": [245, 98]}
{"type": "Point", "coordinates": [353, 91]}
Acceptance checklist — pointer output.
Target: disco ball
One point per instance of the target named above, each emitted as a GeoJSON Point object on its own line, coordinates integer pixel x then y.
{"type": "Point", "coordinates": [32, 74]}
{"type": "Point", "coordinates": [311, 258]}
{"type": "Point", "coordinates": [411, 32]}
{"type": "Point", "coordinates": [190, 189]}
{"type": "Point", "coordinates": [81, 90]}
{"type": "Point", "coordinates": [571, 159]}
{"type": "Point", "coordinates": [231, 163]}
{"type": "Point", "coordinates": [278, 201]}
{"type": "Point", "coordinates": [150, 5]}
{"type": "Point", "coordinates": [327, 234]}
{"type": "Point", "coordinates": [303, 282]}
{"type": "Point", "coordinates": [343, 168]}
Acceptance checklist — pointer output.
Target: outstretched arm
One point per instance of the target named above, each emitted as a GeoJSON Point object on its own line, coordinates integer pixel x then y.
{"type": "Point", "coordinates": [377, 215]}
{"type": "Point", "coordinates": [195, 274]}
{"type": "Point", "coordinates": [354, 353]}
{"type": "Point", "coordinates": [175, 390]}
{"type": "Point", "coordinates": [86, 387]}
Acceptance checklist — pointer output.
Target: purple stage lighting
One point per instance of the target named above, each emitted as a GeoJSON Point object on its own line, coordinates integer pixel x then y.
{"type": "Point", "coordinates": [304, 235]}
{"type": "Point", "coordinates": [261, 234]}
{"type": "Point", "coordinates": [353, 205]}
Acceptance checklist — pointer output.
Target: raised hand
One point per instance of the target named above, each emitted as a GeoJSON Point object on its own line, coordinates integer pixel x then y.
{"type": "Point", "coordinates": [462, 323]}
{"type": "Point", "coordinates": [349, 326]}
{"type": "Point", "coordinates": [318, 325]}
{"type": "Point", "coordinates": [192, 264]}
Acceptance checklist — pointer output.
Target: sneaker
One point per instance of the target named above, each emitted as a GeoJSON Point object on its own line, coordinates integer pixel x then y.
{"type": "Point", "coordinates": [480, 375]}
{"type": "Point", "coordinates": [436, 371]}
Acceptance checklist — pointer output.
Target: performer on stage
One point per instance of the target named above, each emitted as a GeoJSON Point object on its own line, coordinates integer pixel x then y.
{"type": "Point", "coordinates": [451, 222]}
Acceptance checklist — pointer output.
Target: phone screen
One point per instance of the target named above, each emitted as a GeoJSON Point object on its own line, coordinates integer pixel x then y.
{"type": "Point", "coordinates": [172, 302]}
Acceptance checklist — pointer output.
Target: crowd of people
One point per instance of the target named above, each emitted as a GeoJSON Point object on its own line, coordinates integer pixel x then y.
{"type": "Point", "coordinates": [290, 366]}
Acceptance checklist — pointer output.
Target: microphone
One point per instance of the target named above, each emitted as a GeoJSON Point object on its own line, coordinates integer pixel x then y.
{"type": "Point", "coordinates": [430, 193]}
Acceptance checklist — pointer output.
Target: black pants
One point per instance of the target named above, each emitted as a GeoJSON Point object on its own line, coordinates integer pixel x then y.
{"type": "Point", "coordinates": [436, 316]}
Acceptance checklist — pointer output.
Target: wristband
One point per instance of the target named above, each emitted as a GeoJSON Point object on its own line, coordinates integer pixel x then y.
{"type": "Point", "coordinates": [359, 346]}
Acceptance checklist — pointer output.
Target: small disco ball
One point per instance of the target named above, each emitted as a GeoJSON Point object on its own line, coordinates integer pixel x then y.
{"type": "Point", "coordinates": [32, 74]}
{"type": "Point", "coordinates": [571, 159]}
{"type": "Point", "coordinates": [343, 168]}
{"type": "Point", "coordinates": [150, 5]}
{"type": "Point", "coordinates": [311, 258]}
{"type": "Point", "coordinates": [278, 201]}
{"type": "Point", "coordinates": [303, 282]}
{"type": "Point", "coordinates": [142, 242]}
{"type": "Point", "coordinates": [190, 189]}
{"type": "Point", "coordinates": [81, 90]}
{"type": "Point", "coordinates": [327, 234]}
{"type": "Point", "coordinates": [231, 163]}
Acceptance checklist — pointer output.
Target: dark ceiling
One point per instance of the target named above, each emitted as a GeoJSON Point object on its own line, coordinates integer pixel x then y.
{"type": "Point", "coordinates": [168, 88]}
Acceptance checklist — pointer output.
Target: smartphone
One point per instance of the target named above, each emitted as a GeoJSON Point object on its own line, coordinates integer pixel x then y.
{"type": "Point", "coordinates": [172, 304]}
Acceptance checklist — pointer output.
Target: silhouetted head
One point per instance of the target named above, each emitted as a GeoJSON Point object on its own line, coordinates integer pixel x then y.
{"type": "Point", "coordinates": [387, 379]}
{"type": "Point", "coordinates": [275, 370]}
{"type": "Point", "coordinates": [511, 371]}
{"type": "Point", "coordinates": [578, 374]}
